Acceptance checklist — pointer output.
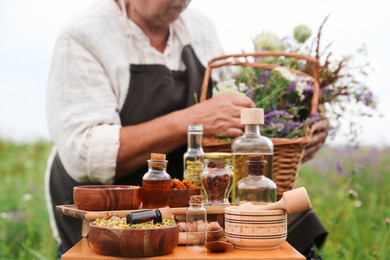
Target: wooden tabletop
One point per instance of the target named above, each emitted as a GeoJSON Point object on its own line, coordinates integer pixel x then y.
{"type": "Point", "coordinates": [82, 251]}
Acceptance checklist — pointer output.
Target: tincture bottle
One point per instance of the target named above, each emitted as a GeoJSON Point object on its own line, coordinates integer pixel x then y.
{"type": "Point", "coordinates": [144, 216]}
{"type": "Point", "coordinates": [196, 220]}
{"type": "Point", "coordinates": [193, 158]}
{"type": "Point", "coordinates": [256, 187]}
{"type": "Point", "coordinates": [251, 143]}
{"type": "Point", "coordinates": [156, 183]}
{"type": "Point", "coordinates": [155, 215]}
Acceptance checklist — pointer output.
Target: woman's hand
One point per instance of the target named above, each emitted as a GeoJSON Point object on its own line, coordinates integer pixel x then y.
{"type": "Point", "coordinates": [220, 115]}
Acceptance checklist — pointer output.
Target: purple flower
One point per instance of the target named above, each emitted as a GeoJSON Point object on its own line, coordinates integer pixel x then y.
{"type": "Point", "coordinates": [264, 76]}
{"type": "Point", "coordinates": [291, 87]}
{"type": "Point", "coordinates": [249, 92]}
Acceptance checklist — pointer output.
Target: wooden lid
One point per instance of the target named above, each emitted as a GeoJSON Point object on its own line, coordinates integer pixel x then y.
{"type": "Point", "coordinates": [252, 116]}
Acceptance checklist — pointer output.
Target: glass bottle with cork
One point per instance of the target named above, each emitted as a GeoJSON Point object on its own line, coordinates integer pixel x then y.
{"type": "Point", "coordinates": [193, 158]}
{"type": "Point", "coordinates": [256, 187]}
{"type": "Point", "coordinates": [196, 220]}
{"type": "Point", "coordinates": [156, 183]}
{"type": "Point", "coordinates": [251, 143]}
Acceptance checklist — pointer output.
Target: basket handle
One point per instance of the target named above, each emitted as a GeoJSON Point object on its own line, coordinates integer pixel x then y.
{"type": "Point", "coordinates": [233, 60]}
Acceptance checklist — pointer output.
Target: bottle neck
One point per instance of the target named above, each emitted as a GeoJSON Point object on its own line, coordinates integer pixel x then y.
{"type": "Point", "coordinates": [252, 130]}
{"type": "Point", "coordinates": [196, 205]}
{"type": "Point", "coordinates": [157, 165]}
{"type": "Point", "coordinates": [194, 141]}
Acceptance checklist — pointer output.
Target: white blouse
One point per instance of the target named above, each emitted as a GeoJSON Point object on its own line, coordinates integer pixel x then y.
{"type": "Point", "coordinates": [89, 81]}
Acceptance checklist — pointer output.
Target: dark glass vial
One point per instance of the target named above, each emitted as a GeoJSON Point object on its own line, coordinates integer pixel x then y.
{"type": "Point", "coordinates": [144, 216]}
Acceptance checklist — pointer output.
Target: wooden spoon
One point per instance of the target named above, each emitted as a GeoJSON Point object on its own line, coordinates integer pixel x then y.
{"type": "Point", "coordinates": [292, 201]}
{"type": "Point", "coordinates": [219, 246]}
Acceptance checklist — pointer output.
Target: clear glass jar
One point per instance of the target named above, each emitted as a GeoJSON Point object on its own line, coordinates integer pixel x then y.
{"type": "Point", "coordinates": [156, 183]}
{"type": "Point", "coordinates": [196, 220]}
{"type": "Point", "coordinates": [193, 158]}
{"type": "Point", "coordinates": [251, 143]}
{"type": "Point", "coordinates": [256, 187]}
{"type": "Point", "coordinates": [217, 178]}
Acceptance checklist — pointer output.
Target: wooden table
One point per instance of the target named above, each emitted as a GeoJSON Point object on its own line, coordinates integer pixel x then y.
{"type": "Point", "coordinates": [82, 251]}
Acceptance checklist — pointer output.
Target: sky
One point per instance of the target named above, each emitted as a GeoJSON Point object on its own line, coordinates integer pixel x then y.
{"type": "Point", "coordinates": [29, 28]}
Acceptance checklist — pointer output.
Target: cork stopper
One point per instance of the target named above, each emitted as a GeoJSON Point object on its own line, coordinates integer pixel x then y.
{"type": "Point", "coordinates": [157, 156]}
{"type": "Point", "coordinates": [157, 160]}
{"type": "Point", "coordinates": [252, 116]}
{"type": "Point", "coordinates": [196, 199]}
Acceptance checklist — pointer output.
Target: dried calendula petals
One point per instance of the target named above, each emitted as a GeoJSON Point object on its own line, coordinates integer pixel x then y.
{"type": "Point", "coordinates": [176, 184]}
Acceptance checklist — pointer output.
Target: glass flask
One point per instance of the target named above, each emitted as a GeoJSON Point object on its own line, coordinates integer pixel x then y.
{"type": "Point", "coordinates": [251, 143]}
{"type": "Point", "coordinates": [256, 187]}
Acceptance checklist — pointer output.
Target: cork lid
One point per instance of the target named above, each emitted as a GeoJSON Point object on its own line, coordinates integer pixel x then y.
{"type": "Point", "coordinates": [157, 156]}
{"type": "Point", "coordinates": [252, 116]}
{"type": "Point", "coordinates": [196, 199]}
{"type": "Point", "coordinates": [157, 160]}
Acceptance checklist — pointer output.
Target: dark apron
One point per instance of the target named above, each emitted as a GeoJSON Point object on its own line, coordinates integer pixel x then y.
{"type": "Point", "coordinates": [154, 91]}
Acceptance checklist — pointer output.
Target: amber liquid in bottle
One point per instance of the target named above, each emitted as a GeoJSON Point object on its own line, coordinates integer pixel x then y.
{"type": "Point", "coordinates": [156, 183]}
{"type": "Point", "coordinates": [155, 193]}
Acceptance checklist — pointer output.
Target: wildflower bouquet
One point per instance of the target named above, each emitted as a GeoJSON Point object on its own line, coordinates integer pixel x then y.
{"type": "Point", "coordinates": [285, 97]}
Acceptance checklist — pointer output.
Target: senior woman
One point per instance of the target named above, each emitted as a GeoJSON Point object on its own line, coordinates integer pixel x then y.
{"type": "Point", "coordinates": [122, 84]}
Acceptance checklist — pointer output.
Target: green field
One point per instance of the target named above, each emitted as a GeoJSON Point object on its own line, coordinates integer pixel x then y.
{"type": "Point", "coordinates": [349, 189]}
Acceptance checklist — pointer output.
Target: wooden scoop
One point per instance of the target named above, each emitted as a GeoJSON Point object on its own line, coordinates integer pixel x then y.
{"type": "Point", "coordinates": [219, 246]}
{"type": "Point", "coordinates": [292, 201]}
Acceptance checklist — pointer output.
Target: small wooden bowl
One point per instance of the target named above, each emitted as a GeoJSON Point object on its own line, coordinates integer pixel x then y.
{"type": "Point", "coordinates": [255, 229]}
{"type": "Point", "coordinates": [107, 197]}
{"type": "Point", "coordinates": [180, 198]}
{"type": "Point", "coordinates": [133, 242]}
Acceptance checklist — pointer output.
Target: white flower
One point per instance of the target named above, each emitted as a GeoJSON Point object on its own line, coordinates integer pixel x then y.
{"type": "Point", "coordinates": [301, 33]}
{"type": "Point", "coordinates": [268, 41]}
{"type": "Point", "coordinates": [27, 197]}
{"type": "Point", "coordinates": [228, 87]}
{"type": "Point", "coordinates": [286, 73]}
{"type": "Point", "coordinates": [300, 88]}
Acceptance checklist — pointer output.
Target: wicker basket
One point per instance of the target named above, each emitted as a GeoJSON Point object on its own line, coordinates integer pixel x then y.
{"type": "Point", "coordinates": [288, 153]}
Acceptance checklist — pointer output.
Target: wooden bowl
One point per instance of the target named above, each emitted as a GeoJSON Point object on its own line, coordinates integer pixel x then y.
{"type": "Point", "coordinates": [133, 242]}
{"type": "Point", "coordinates": [107, 197]}
{"type": "Point", "coordinates": [255, 229]}
{"type": "Point", "coordinates": [180, 198]}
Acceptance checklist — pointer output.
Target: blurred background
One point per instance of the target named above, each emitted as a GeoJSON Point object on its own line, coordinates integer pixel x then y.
{"type": "Point", "coordinates": [29, 29]}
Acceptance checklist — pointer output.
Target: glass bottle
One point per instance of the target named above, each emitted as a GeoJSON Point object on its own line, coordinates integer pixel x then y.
{"type": "Point", "coordinates": [217, 178]}
{"type": "Point", "coordinates": [156, 183]}
{"type": "Point", "coordinates": [193, 158]}
{"type": "Point", "coordinates": [256, 187]}
{"type": "Point", "coordinates": [251, 143]}
{"type": "Point", "coordinates": [155, 215]}
{"type": "Point", "coordinates": [144, 216]}
{"type": "Point", "coordinates": [196, 219]}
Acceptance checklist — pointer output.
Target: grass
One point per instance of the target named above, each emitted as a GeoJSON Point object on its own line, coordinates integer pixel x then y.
{"type": "Point", "coordinates": [24, 223]}
{"type": "Point", "coordinates": [349, 190]}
